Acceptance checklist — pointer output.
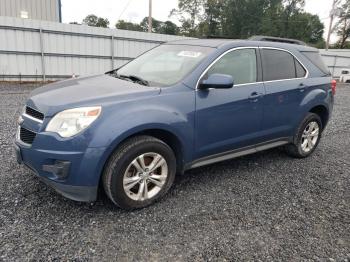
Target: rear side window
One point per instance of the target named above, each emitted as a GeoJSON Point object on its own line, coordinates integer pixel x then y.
{"type": "Point", "coordinates": [316, 59]}
{"type": "Point", "coordinates": [279, 65]}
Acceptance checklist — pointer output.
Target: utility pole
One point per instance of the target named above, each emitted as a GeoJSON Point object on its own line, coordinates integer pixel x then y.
{"type": "Point", "coordinates": [332, 14]}
{"type": "Point", "coordinates": [150, 17]}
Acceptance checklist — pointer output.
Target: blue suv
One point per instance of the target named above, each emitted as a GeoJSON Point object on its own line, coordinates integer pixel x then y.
{"type": "Point", "coordinates": [181, 105]}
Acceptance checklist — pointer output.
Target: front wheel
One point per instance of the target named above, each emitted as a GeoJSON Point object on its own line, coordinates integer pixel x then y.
{"type": "Point", "coordinates": [307, 137]}
{"type": "Point", "coordinates": [140, 172]}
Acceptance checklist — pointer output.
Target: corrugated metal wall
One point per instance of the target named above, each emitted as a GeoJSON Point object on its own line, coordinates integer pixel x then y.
{"type": "Point", "coordinates": [37, 9]}
{"type": "Point", "coordinates": [336, 60]}
{"type": "Point", "coordinates": [33, 50]}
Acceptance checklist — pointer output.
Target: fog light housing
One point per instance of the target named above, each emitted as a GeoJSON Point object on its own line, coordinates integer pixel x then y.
{"type": "Point", "coordinates": [60, 169]}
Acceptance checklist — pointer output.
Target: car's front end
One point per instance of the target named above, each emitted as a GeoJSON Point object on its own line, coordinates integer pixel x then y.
{"type": "Point", "coordinates": [58, 135]}
{"type": "Point", "coordinates": [67, 164]}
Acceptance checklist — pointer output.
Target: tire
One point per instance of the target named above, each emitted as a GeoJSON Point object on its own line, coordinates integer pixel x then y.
{"type": "Point", "coordinates": [297, 149]}
{"type": "Point", "coordinates": [131, 166]}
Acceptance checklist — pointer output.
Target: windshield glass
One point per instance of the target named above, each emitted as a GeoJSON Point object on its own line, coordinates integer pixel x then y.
{"type": "Point", "coordinates": [164, 65]}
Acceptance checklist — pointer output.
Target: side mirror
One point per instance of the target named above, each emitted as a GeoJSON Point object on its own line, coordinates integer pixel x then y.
{"type": "Point", "coordinates": [219, 81]}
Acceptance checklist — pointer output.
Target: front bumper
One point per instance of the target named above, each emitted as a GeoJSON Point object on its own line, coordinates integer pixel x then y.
{"type": "Point", "coordinates": [78, 181]}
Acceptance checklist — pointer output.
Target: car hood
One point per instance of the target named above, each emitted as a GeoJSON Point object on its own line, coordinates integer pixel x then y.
{"type": "Point", "coordinates": [86, 91]}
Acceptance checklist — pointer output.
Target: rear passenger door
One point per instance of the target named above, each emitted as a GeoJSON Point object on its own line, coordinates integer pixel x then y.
{"type": "Point", "coordinates": [285, 84]}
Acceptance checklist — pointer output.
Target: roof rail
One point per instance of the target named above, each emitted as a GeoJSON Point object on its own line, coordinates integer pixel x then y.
{"type": "Point", "coordinates": [277, 39]}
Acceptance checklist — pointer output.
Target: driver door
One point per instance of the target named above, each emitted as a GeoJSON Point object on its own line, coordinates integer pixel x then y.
{"type": "Point", "coordinates": [228, 119]}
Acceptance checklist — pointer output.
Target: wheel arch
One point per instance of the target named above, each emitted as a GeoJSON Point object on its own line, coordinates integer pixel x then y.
{"type": "Point", "coordinates": [323, 112]}
{"type": "Point", "coordinates": [164, 134]}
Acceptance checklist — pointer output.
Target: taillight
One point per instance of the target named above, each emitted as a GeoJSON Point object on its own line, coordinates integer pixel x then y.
{"type": "Point", "coordinates": [334, 86]}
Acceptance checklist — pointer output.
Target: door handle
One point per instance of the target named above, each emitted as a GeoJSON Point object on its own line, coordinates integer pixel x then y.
{"type": "Point", "coordinates": [302, 87]}
{"type": "Point", "coordinates": [254, 97]}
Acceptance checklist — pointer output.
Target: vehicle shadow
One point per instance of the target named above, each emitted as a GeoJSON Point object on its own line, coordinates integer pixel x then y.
{"type": "Point", "coordinates": [229, 171]}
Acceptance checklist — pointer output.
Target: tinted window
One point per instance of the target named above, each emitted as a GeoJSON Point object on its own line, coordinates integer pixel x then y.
{"type": "Point", "coordinates": [316, 59]}
{"type": "Point", "coordinates": [344, 72]}
{"type": "Point", "coordinates": [240, 64]}
{"type": "Point", "coordinates": [277, 65]}
{"type": "Point", "coordinates": [300, 70]}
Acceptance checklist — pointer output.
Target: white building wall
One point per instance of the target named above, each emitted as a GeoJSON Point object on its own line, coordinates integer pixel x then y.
{"type": "Point", "coordinates": [336, 60]}
{"type": "Point", "coordinates": [37, 9]}
{"type": "Point", "coordinates": [33, 50]}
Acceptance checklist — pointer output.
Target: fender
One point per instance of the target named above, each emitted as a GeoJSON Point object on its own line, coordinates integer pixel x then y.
{"type": "Point", "coordinates": [316, 97]}
{"type": "Point", "coordinates": [129, 119]}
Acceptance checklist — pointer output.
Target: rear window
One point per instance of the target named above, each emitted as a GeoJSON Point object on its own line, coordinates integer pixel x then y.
{"type": "Point", "coordinates": [344, 72]}
{"type": "Point", "coordinates": [316, 59]}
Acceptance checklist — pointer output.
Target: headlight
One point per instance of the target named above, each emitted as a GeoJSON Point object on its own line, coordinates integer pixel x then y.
{"type": "Point", "coordinates": [72, 121]}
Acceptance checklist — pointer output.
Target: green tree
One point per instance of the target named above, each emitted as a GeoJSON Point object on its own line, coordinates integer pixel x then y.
{"type": "Point", "coordinates": [160, 27]}
{"type": "Point", "coordinates": [305, 27]}
{"type": "Point", "coordinates": [212, 19]}
{"type": "Point", "coordinates": [189, 13]}
{"type": "Point", "coordinates": [343, 26]}
{"type": "Point", "coordinates": [122, 24]}
{"type": "Point", "coordinates": [93, 20]}
{"type": "Point", "coordinates": [244, 18]}
{"type": "Point", "coordinates": [169, 28]}
{"type": "Point", "coordinates": [156, 25]}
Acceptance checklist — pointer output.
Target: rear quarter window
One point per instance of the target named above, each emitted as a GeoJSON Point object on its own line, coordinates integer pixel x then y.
{"type": "Point", "coordinates": [316, 59]}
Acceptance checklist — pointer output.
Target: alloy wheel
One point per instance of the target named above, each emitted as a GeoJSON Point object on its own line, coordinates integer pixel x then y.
{"type": "Point", "coordinates": [310, 136]}
{"type": "Point", "coordinates": [145, 176]}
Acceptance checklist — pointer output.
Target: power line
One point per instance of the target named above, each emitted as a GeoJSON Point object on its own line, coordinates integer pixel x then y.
{"type": "Point", "coordinates": [126, 7]}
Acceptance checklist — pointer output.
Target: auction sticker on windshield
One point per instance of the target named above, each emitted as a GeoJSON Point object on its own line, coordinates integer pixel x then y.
{"type": "Point", "coordinates": [189, 54]}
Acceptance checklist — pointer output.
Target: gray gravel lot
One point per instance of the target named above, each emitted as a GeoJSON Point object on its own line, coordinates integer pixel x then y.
{"type": "Point", "coordinates": [265, 206]}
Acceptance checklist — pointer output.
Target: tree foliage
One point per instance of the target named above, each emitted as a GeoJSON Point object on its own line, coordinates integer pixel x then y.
{"type": "Point", "coordinates": [343, 26]}
{"type": "Point", "coordinates": [245, 18]}
{"type": "Point", "coordinates": [159, 27]}
{"type": "Point", "coordinates": [239, 19]}
{"type": "Point", "coordinates": [122, 24]}
{"type": "Point", "coordinates": [93, 20]}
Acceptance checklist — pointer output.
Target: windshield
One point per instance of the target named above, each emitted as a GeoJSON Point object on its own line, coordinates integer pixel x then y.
{"type": "Point", "coordinates": [164, 65]}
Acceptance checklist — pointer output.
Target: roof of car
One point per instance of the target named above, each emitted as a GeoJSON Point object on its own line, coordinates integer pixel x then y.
{"type": "Point", "coordinates": [219, 43]}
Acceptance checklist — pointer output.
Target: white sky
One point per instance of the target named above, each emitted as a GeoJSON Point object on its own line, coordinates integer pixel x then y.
{"type": "Point", "coordinates": [136, 10]}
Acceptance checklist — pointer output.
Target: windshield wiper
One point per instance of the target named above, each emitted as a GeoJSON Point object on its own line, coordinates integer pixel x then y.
{"type": "Point", "coordinates": [135, 79]}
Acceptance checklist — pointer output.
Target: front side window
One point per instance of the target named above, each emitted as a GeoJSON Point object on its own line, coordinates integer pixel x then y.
{"type": "Point", "coordinates": [165, 65]}
{"type": "Point", "coordinates": [240, 64]}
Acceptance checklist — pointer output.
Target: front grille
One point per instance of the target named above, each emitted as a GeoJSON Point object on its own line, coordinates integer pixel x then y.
{"type": "Point", "coordinates": [26, 135]}
{"type": "Point", "coordinates": [34, 113]}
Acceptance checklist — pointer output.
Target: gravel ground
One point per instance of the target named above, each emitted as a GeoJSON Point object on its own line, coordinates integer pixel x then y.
{"type": "Point", "coordinates": [265, 206]}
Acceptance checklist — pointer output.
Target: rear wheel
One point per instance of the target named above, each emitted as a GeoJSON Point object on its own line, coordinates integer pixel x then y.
{"type": "Point", "coordinates": [139, 173]}
{"type": "Point", "coordinates": [307, 137]}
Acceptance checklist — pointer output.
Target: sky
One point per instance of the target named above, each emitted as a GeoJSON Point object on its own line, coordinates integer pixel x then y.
{"type": "Point", "coordinates": [136, 10]}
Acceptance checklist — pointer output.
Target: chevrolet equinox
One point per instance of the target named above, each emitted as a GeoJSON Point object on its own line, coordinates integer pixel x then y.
{"type": "Point", "coordinates": [181, 105]}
